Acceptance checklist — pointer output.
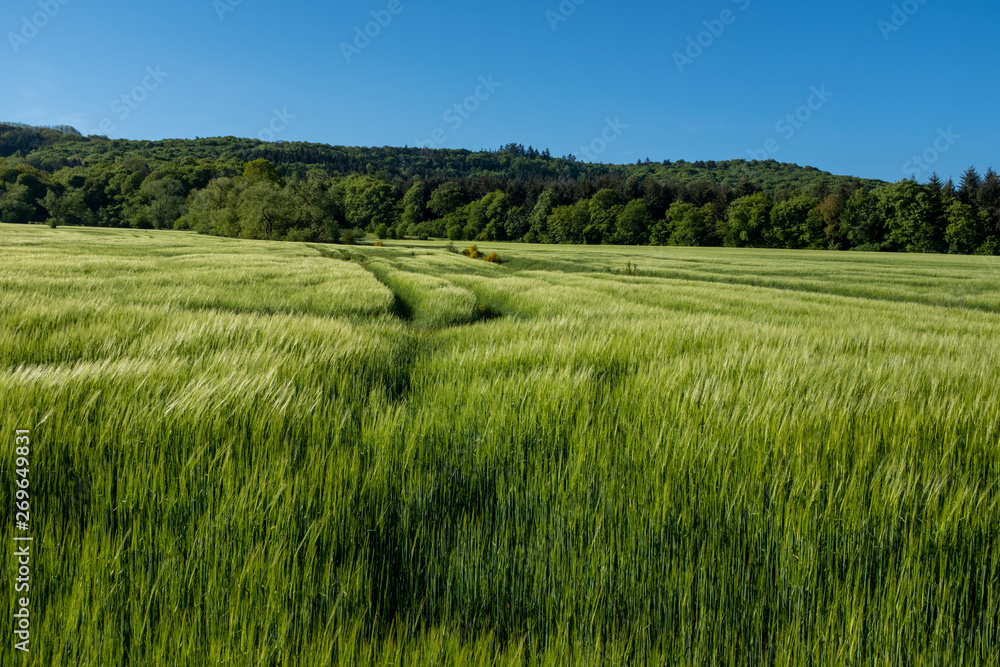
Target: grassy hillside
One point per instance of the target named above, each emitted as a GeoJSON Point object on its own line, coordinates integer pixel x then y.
{"type": "Point", "coordinates": [259, 453]}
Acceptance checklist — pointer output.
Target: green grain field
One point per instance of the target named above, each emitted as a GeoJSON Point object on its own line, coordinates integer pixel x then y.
{"type": "Point", "coordinates": [255, 453]}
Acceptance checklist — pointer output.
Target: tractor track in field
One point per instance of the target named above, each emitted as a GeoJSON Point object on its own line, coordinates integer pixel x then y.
{"type": "Point", "coordinates": [416, 307]}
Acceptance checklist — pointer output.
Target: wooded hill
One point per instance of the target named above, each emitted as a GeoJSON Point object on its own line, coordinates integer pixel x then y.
{"type": "Point", "coordinates": [304, 191]}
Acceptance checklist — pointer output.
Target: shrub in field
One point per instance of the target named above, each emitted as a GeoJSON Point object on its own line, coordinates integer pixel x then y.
{"type": "Point", "coordinates": [493, 258]}
{"type": "Point", "coordinates": [379, 244]}
{"type": "Point", "coordinates": [473, 252]}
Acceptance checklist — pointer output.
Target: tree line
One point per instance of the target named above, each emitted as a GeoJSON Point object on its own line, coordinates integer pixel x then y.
{"type": "Point", "coordinates": [311, 192]}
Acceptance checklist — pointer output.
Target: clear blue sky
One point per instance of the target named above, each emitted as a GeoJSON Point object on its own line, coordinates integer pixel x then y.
{"type": "Point", "coordinates": [227, 65]}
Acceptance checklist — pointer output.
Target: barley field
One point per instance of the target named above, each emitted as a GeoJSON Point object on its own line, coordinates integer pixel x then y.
{"type": "Point", "coordinates": [255, 453]}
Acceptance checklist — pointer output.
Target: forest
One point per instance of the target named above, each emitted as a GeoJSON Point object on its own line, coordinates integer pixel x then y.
{"type": "Point", "coordinates": [246, 188]}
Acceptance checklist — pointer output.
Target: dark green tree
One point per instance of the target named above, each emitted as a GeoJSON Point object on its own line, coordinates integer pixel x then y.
{"type": "Point", "coordinates": [67, 209]}
{"type": "Point", "coordinates": [913, 217]}
{"type": "Point", "coordinates": [685, 224]}
{"type": "Point", "coordinates": [861, 222]}
{"type": "Point", "coordinates": [790, 223]}
{"type": "Point", "coordinates": [988, 198]}
{"type": "Point", "coordinates": [166, 200]}
{"type": "Point", "coordinates": [567, 223]}
{"type": "Point", "coordinates": [446, 198]}
{"type": "Point", "coordinates": [633, 224]}
{"type": "Point", "coordinates": [414, 207]}
{"type": "Point", "coordinates": [968, 188]}
{"type": "Point", "coordinates": [604, 208]}
{"type": "Point", "coordinates": [967, 230]}
{"type": "Point", "coordinates": [261, 170]}
{"type": "Point", "coordinates": [829, 212]}
{"type": "Point", "coordinates": [17, 205]}
{"type": "Point", "coordinates": [538, 220]}
{"type": "Point", "coordinates": [378, 206]}
{"type": "Point", "coordinates": [747, 221]}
